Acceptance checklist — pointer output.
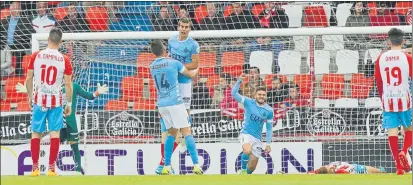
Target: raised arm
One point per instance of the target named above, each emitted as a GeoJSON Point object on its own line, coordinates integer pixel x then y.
{"type": "Point", "coordinates": [235, 90]}
{"type": "Point", "coordinates": [195, 57]}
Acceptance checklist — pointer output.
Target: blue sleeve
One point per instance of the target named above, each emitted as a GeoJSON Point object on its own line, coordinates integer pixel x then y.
{"type": "Point", "coordinates": [269, 127]}
{"type": "Point", "coordinates": [235, 93]}
{"type": "Point", "coordinates": [169, 48]}
{"type": "Point", "coordinates": [195, 48]}
{"type": "Point", "coordinates": [179, 66]}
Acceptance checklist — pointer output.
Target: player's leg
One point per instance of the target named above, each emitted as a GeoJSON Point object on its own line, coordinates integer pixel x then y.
{"type": "Point", "coordinates": [252, 163]}
{"type": "Point", "coordinates": [73, 140]}
{"type": "Point", "coordinates": [246, 151]}
{"type": "Point", "coordinates": [38, 124]}
{"type": "Point", "coordinates": [169, 139]}
{"type": "Point", "coordinates": [55, 124]}
{"type": "Point", "coordinates": [164, 132]}
{"type": "Point", "coordinates": [406, 121]}
{"type": "Point", "coordinates": [180, 117]}
{"type": "Point", "coordinates": [391, 122]}
{"type": "Point", "coordinates": [371, 169]}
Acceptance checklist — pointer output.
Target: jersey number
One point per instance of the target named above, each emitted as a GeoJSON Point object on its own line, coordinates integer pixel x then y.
{"type": "Point", "coordinates": [163, 82]}
{"type": "Point", "coordinates": [47, 73]}
{"type": "Point", "coordinates": [394, 72]}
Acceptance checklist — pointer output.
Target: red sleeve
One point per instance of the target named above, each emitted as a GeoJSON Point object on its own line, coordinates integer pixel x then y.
{"type": "Point", "coordinates": [377, 75]}
{"type": "Point", "coordinates": [409, 60]}
{"type": "Point", "coordinates": [32, 59]}
{"type": "Point", "coordinates": [68, 66]}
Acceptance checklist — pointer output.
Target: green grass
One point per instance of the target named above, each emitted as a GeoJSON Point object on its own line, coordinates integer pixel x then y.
{"type": "Point", "coordinates": [387, 179]}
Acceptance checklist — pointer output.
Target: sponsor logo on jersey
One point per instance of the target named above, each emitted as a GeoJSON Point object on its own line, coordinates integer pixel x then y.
{"type": "Point", "coordinates": [326, 122]}
{"type": "Point", "coordinates": [124, 124]}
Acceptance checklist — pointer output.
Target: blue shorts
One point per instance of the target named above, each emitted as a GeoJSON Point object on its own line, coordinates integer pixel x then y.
{"type": "Point", "coordinates": [360, 169]}
{"type": "Point", "coordinates": [54, 118]}
{"type": "Point", "coordinates": [396, 119]}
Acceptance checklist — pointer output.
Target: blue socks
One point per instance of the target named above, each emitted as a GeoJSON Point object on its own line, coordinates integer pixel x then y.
{"type": "Point", "coordinates": [190, 120]}
{"type": "Point", "coordinates": [190, 145]}
{"type": "Point", "coordinates": [244, 161]}
{"type": "Point", "coordinates": [169, 146]}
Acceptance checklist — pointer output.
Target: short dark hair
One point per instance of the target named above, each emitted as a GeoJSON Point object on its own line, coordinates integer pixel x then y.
{"type": "Point", "coordinates": [276, 78]}
{"type": "Point", "coordinates": [322, 170]}
{"type": "Point", "coordinates": [254, 67]}
{"type": "Point", "coordinates": [261, 89]}
{"type": "Point", "coordinates": [55, 35]}
{"type": "Point", "coordinates": [396, 36]}
{"type": "Point", "coordinates": [186, 21]}
{"type": "Point", "coordinates": [157, 47]}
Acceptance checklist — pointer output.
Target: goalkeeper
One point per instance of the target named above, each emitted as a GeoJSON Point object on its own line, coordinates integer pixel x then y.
{"type": "Point", "coordinates": [70, 132]}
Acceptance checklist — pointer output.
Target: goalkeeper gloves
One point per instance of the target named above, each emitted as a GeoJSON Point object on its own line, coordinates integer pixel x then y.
{"type": "Point", "coordinates": [101, 90]}
{"type": "Point", "coordinates": [20, 88]}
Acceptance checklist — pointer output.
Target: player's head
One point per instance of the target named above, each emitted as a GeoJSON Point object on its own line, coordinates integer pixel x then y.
{"type": "Point", "coordinates": [55, 36]}
{"type": "Point", "coordinates": [158, 48]}
{"type": "Point", "coordinates": [261, 95]}
{"type": "Point", "coordinates": [184, 27]}
{"type": "Point", "coordinates": [322, 170]}
{"type": "Point", "coordinates": [396, 37]}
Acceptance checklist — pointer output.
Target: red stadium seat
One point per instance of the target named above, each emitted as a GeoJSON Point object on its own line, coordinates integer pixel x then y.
{"type": "Point", "coordinates": [5, 106]}
{"type": "Point", "coordinates": [315, 16]}
{"type": "Point", "coordinates": [212, 81]}
{"type": "Point", "coordinates": [5, 12]}
{"type": "Point", "coordinates": [372, 7]}
{"type": "Point", "coordinates": [23, 106]}
{"type": "Point", "coordinates": [25, 63]}
{"type": "Point", "coordinates": [97, 18]}
{"type": "Point", "coordinates": [10, 89]}
{"type": "Point", "coordinates": [333, 86]}
{"type": "Point", "coordinates": [403, 7]}
{"type": "Point", "coordinates": [360, 86]}
{"type": "Point", "coordinates": [60, 13]}
{"type": "Point", "coordinates": [227, 11]}
{"type": "Point", "coordinates": [268, 79]}
{"type": "Point", "coordinates": [143, 104]}
{"type": "Point", "coordinates": [257, 9]}
{"type": "Point", "coordinates": [200, 13]}
{"type": "Point", "coordinates": [116, 105]}
{"type": "Point", "coordinates": [207, 63]}
{"type": "Point", "coordinates": [232, 63]}
{"type": "Point", "coordinates": [143, 62]}
{"type": "Point", "coordinates": [304, 83]}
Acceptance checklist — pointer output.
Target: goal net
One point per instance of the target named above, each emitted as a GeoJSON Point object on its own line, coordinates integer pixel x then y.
{"type": "Point", "coordinates": [319, 81]}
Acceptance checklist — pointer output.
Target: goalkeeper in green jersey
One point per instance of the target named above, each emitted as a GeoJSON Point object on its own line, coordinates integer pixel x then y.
{"type": "Point", "coordinates": [70, 132]}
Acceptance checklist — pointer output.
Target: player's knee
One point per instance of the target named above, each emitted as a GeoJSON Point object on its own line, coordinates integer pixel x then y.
{"type": "Point", "coordinates": [186, 131]}
{"type": "Point", "coordinates": [54, 134]}
{"type": "Point", "coordinates": [247, 150]}
{"type": "Point", "coordinates": [36, 135]}
{"type": "Point", "coordinates": [172, 132]}
{"type": "Point", "coordinates": [409, 128]}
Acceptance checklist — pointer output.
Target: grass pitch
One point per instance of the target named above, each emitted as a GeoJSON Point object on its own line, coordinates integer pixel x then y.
{"type": "Point", "coordinates": [373, 179]}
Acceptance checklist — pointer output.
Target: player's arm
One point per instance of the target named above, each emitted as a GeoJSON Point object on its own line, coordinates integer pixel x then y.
{"type": "Point", "coordinates": [195, 57]}
{"type": "Point", "coordinates": [182, 69]}
{"type": "Point", "coordinates": [29, 77]}
{"type": "Point", "coordinates": [377, 75]}
{"type": "Point", "coordinates": [68, 81]}
{"type": "Point", "coordinates": [235, 90]}
{"type": "Point", "coordinates": [268, 133]}
{"type": "Point", "coordinates": [91, 96]}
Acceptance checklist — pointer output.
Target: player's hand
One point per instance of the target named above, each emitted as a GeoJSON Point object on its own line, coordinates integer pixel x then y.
{"type": "Point", "coordinates": [102, 89]}
{"type": "Point", "coordinates": [408, 50]}
{"type": "Point", "coordinates": [20, 88]}
{"type": "Point", "coordinates": [267, 149]}
{"type": "Point", "coordinates": [68, 110]}
{"type": "Point", "coordinates": [243, 76]}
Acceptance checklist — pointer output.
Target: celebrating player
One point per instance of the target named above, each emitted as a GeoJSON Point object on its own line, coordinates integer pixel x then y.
{"type": "Point", "coordinates": [340, 167]}
{"type": "Point", "coordinates": [256, 113]}
{"type": "Point", "coordinates": [165, 72]}
{"type": "Point", "coordinates": [46, 71]}
{"type": "Point", "coordinates": [392, 71]}
{"type": "Point", "coordinates": [186, 50]}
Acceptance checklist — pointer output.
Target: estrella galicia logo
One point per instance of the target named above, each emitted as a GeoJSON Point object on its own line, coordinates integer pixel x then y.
{"type": "Point", "coordinates": [326, 122]}
{"type": "Point", "coordinates": [124, 124]}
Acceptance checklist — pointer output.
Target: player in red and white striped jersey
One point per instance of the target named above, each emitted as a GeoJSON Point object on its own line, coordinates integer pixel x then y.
{"type": "Point", "coordinates": [392, 72]}
{"type": "Point", "coordinates": [47, 70]}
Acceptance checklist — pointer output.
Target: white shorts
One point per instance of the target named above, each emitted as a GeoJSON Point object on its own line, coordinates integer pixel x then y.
{"type": "Point", "coordinates": [255, 143]}
{"type": "Point", "coordinates": [185, 90]}
{"type": "Point", "coordinates": [174, 116]}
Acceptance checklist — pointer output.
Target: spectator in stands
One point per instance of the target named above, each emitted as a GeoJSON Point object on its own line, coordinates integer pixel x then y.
{"type": "Point", "coordinates": [201, 99]}
{"type": "Point", "coordinates": [240, 18]}
{"type": "Point", "coordinates": [212, 21]}
{"type": "Point", "coordinates": [229, 106]}
{"type": "Point", "coordinates": [15, 34]}
{"type": "Point", "coordinates": [153, 10]}
{"type": "Point", "coordinates": [273, 16]}
{"type": "Point", "coordinates": [6, 63]}
{"type": "Point", "coordinates": [234, 45]}
{"type": "Point", "coordinates": [43, 23]}
{"type": "Point", "coordinates": [163, 22]}
{"type": "Point", "coordinates": [224, 83]}
{"type": "Point", "coordinates": [294, 98]}
{"type": "Point", "coordinates": [277, 93]}
{"type": "Point", "coordinates": [74, 21]}
{"type": "Point", "coordinates": [254, 81]}
{"type": "Point", "coordinates": [359, 16]}
{"type": "Point", "coordinates": [384, 17]}
{"type": "Point", "coordinates": [111, 6]}
{"type": "Point", "coordinates": [409, 17]}
{"type": "Point", "coordinates": [183, 13]}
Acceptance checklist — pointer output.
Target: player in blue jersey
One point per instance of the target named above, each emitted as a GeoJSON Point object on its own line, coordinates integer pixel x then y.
{"type": "Point", "coordinates": [170, 104]}
{"type": "Point", "coordinates": [257, 112]}
{"type": "Point", "coordinates": [186, 50]}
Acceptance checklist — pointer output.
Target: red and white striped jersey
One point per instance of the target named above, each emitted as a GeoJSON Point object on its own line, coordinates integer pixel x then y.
{"type": "Point", "coordinates": [392, 72]}
{"type": "Point", "coordinates": [49, 66]}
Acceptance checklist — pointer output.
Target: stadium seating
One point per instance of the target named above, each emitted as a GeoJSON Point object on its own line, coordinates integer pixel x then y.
{"type": "Point", "coordinates": [10, 89]}
{"type": "Point", "coordinates": [60, 13]}
{"type": "Point", "coordinates": [302, 43]}
{"type": "Point", "coordinates": [360, 86]}
{"type": "Point", "coordinates": [200, 13]}
{"type": "Point", "coordinates": [317, 16]}
{"type": "Point", "coordinates": [232, 63]}
{"type": "Point", "coordinates": [321, 103]}
{"type": "Point", "coordinates": [212, 81]}
{"type": "Point", "coordinates": [304, 83]}
{"type": "Point", "coordinates": [263, 60]}
{"type": "Point", "coordinates": [342, 13]}
{"type": "Point", "coordinates": [97, 18]}
{"type": "Point", "coordinates": [346, 103]}
{"type": "Point", "coordinates": [402, 8]}
{"type": "Point", "coordinates": [333, 86]}
{"type": "Point", "coordinates": [23, 106]}
{"type": "Point", "coordinates": [372, 54]}
{"type": "Point", "coordinates": [227, 11]}
{"type": "Point", "coordinates": [5, 12]}
{"type": "Point", "coordinates": [25, 63]}
{"type": "Point", "coordinates": [321, 61]}
{"type": "Point", "coordinates": [5, 106]}
{"type": "Point", "coordinates": [347, 61]}
{"type": "Point", "coordinates": [116, 105]}
{"type": "Point", "coordinates": [257, 9]}
{"type": "Point", "coordinates": [374, 102]}
{"type": "Point", "coordinates": [289, 62]}
{"type": "Point", "coordinates": [372, 8]}
{"type": "Point", "coordinates": [333, 42]}
{"type": "Point", "coordinates": [268, 79]}
{"type": "Point", "coordinates": [142, 104]}
{"type": "Point", "coordinates": [295, 15]}
{"type": "Point", "coordinates": [207, 63]}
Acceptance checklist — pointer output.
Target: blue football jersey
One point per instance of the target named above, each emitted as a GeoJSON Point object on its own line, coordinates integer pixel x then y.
{"type": "Point", "coordinates": [255, 115]}
{"type": "Point", "coordinates": [183, 51]}
{"type": "Point", "coordinates": [165, 72]}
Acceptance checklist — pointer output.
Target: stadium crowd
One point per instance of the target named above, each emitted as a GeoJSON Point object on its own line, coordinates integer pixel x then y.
{"type": "Point", "coordinates": [20, 19]}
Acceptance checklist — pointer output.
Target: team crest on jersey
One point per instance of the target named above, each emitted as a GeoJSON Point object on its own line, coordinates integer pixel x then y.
{"type": "Point", "coordinates": [186, 50]}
